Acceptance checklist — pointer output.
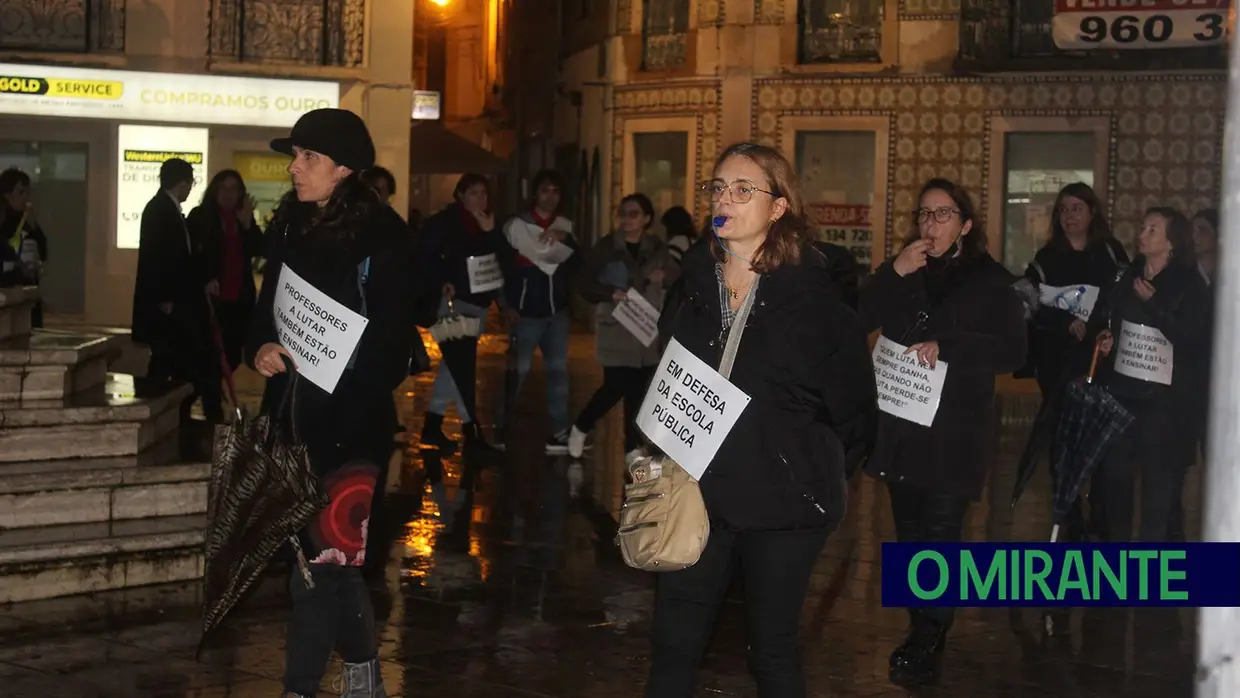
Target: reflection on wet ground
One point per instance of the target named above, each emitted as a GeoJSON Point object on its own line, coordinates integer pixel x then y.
{"type": "Point", "coordinates": [502, 581]}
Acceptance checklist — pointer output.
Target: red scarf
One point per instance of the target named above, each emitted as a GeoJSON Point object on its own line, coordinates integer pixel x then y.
{"type": "Point", "coordinates": [232, 258]}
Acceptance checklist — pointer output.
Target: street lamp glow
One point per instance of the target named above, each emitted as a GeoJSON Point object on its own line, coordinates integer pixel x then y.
{"type": "Point", "coordinates": [441, 3]}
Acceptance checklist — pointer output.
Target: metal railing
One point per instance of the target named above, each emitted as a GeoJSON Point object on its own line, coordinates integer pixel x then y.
{"type": "Point", "coordinates": [301, 32]}
{"type": "Point", "coordinates": [67, 26]}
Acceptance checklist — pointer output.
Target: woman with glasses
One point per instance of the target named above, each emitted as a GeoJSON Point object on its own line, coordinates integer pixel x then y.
{"type": "Point", "coordinates": [776, 488]}
{"type": "Point", "coordinates": [630, 259]}
{"type": "Point", "coordinates": [942, 300]}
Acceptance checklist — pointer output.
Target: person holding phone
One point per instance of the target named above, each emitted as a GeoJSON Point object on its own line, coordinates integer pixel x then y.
{"type": "Point", "coordinates": [460, 256]}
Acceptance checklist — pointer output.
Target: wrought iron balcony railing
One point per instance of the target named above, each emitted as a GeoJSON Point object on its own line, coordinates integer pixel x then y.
{"type": "Point", "coordinates": [1016, 36]}
{"type": "Point", "coordinates": [302, 32]}
{"type": "Point", "coordinates": [665, 34]}
{"type": "Point", "coordinates": [69, 26]}
{"type": "Point", "coordinates": [833, 31]}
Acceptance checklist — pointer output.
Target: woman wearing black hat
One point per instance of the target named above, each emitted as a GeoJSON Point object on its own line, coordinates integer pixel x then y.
{"type": "Point", "coordinates": [333, 231]}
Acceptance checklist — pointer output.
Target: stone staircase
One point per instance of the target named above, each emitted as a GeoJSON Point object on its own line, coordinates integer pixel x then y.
{"type": "Point", "coordinates": [96, 490]}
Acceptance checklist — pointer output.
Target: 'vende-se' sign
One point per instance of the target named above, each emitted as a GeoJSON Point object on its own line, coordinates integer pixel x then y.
{"type": "Point", "coordinates": [38, 90]}
{"type": "Point", "coordinates": [1139, 24]}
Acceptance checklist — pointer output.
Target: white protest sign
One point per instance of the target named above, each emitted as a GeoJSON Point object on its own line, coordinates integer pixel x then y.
{"type": "Point", "coordinates": [906, 389]}
{"type": "Point", "coordinates": [1078, 300]}
{"type": "Point", "coordinates": [1144, 353]}
{"type": "Point", "coordinates": [484, 273]}
{"type": "Point", "coordinates": [689, 409]}
{"type": "Point", "coordinates": [321, 333]}
{"type": "Point", "coordinates": [638, 317]}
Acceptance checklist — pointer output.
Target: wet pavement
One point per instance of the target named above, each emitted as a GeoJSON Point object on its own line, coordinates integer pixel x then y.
{"type": "Point", "coordinates": [503, 581]}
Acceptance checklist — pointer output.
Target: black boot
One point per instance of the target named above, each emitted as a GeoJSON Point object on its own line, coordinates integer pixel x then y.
{"type": "Point", "coordinates": [432, 433]}
{"type": "Point", "coordinates": [918, 660]}
{"type": "Point", "coordinates": [475, 442]}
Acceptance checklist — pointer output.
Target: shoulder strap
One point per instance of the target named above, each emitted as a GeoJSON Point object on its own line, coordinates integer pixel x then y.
{"type": "Point", "coordinates": [738, 328]}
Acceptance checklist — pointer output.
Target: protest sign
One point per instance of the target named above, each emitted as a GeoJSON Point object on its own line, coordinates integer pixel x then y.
{"type": "Point", "coordinates": [1144, 353]}
{"type": "Point", "coordinates": [638, 317]}
{"type": "Point", "coordinates": [906, 389]}
{"type": "Point", "coordinates": [1078, 300]}
{"type": "Point", "coordinates": [484, 273]}
{"type": "Point", "coordinates": [319, 331]}
{"type": "Point", "coordinates": [689, 409]}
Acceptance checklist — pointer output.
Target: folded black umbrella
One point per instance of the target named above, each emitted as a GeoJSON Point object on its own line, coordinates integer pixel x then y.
{"type": "Point", "coordinates": [1090, 421]}
{"type": "Point", "coordinates": [263, 492]}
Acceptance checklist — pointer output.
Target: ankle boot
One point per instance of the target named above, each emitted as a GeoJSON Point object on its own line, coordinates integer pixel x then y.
{"type": "Point", "coordinates": [361, 681]}
{"type": "Point", "coordinates": [917, 661]}
{"type": "Point", "coordinates": [432, 432]}
{"type": "Point", "coordinates": [474, 439]}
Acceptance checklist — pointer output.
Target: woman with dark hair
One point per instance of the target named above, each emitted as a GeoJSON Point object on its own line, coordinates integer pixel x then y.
{"type": "Point", "coordinates": [336, 235]}
{"type": "Point", "coordinates": [226, 241]}
{"type": "Point", "coordinates": [460, 249]}
{"type": "Point", "coordinates": [20, 231]}
{"type": "Point", "coordinates": [776, 488]}
{"type": "Point", "coordinates": [1074, 273]}
{"type": "Point", "coordinates": [680, 230]}
{"type": "Point", "coordinates": [630, 258]}
{"type": "Point", "coordinates": [1155, 331]}
{"type": "Point", "coordinates": [1205, 243]}
{"type": "Point", "coordinates": [942, 299]}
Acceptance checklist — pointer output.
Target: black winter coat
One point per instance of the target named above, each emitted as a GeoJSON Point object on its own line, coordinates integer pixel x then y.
{"type": "Point", "coordinates": [446, 245]}
{"type": "Point", "coordinates": [1181, 308]}
{"type": "Point", "coordinates": [357, 420]}
{"type": "Point", "coordinates": [167, 273]}
{"type": "Point", "coordinates": [1053, 352]}
{"type": "Point", "coordinates": [978, 320]}
{"type": "Point", "coordinates": [206, 231]}
{"type": "Point", "coordinates": [811, 419]}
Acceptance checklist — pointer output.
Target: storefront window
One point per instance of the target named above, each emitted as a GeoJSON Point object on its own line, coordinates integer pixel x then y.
{"type": "Point", "coordinates": [661, 162]}
{"type": "Point", "coordinates": [266, 179]}
{"type": "Point", "coordinates": [1037, 166]}
{"type": "Point", "coordinates": [837, 179]}
{"type": "Point", "coordinates": [58, 177]}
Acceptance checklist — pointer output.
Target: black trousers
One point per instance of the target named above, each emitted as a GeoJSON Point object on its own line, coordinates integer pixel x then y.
{"type": "Point", "coordinates": [234, 320]}
{"type": "Point", "coordinates": [923, 516]}
{"type": "Point", "coordinates": [184, 350]}
{"type": "Point", "coordinates": [461, 358]}
{"type": "Point", "coordinates": [1157, 449]}
{"type": "Point", "coordinates": [619, 383]}
{"type": "Point", "coordinates": [335, 615]}
{"type": "Point", "coordinates": [775, 568]}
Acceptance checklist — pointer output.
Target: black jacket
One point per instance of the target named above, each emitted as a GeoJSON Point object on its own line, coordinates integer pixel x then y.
{"type": "Point", "coordinates": [976, 317]}
{"type": "Point", "coordinates": [206, 230]}
{"type": "Point", "coordinates": [167, 272]}
{"type": "Point", "coordinates": [1053, 352]}
{"type": "Point", "coordinates": [446, 244]}
{"type": "Point", "coordinates": [803, 362]}
{"type": "Point", "coordinates": [1181, 309]}
{"type": "Point", "coordinates": [357, 420]}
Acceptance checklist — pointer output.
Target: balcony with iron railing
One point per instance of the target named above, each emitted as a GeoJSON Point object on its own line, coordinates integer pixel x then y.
{"type": "Point", "coordinates": [293, 32]}
{"type": "Point", "coordinates": [63, 26]}
{"type": "Point", "coordinates": [1015, 36]}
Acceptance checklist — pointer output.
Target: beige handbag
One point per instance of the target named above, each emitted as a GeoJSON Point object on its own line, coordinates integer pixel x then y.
{"type": "Point", "coordinates": [664, 526]}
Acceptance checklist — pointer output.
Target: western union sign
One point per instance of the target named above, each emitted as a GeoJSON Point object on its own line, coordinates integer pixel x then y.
{"type": "Point", "coordinates": [161, 155]}
{"type": "Point", "coordinates": [186, 98]}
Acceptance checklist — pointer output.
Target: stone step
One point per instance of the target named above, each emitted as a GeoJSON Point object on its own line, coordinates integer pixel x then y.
{"type": "Point", "coordinates": [54, 364]}
{"type": "Point", "coordinates": [52, 561]}
{"type": "Point", "coordinates": [16, 305]}
{"type": "Point", "coordinates": [114, 491]}
{"type": "Point", "coordinates": [120, 418]}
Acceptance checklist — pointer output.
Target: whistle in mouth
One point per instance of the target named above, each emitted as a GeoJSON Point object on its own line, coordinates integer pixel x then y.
{"type": "Point", "coordinates": [718, 221]}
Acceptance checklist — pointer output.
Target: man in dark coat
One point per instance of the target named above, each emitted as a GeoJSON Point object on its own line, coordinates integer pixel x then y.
{"type": "Point", "coordinates": [169, 300]}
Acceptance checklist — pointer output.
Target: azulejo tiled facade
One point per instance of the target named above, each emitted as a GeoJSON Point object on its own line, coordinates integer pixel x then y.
{"type": "Point", "coordinates": [700, 99]}
{"type": "Point", "coordinates": [929, 9]}
{"type": "Point", "coordinates": [1166, 131]}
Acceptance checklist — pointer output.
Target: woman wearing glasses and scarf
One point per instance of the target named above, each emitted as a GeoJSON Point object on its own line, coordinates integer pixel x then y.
{"type": "Point", "coordinates": [942, 300]}
{"type": "Point", "coordinates": [776, 488]}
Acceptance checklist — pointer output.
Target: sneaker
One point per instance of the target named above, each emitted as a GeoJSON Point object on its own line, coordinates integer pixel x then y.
{"type": "Point", "coordinates": [557, 445]}
{"type": "Point", "coordinates": [576, 442]}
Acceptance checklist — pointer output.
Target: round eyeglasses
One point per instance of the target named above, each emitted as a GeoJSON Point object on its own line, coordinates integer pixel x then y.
{"type": "Point", "coordinates": [941, 214]}
{"type": "Point", "coordinates": [742, 190]}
